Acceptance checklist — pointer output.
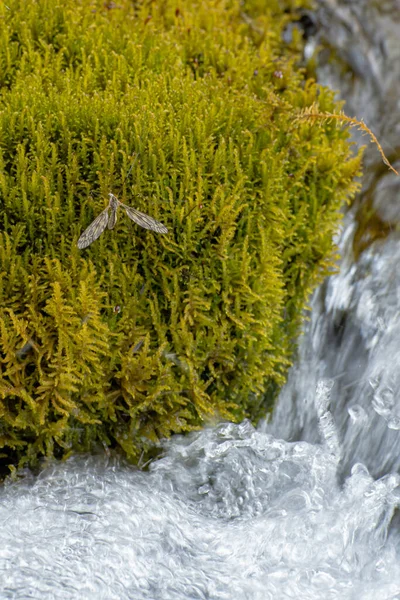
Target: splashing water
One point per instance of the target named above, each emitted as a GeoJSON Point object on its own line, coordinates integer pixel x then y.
{"type": "Point", "coordinates": [228, 513]}
{"type": "Point", "coordinates": [353, 338]}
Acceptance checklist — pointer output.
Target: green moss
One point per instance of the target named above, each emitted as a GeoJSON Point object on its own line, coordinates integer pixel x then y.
{"type": "Point", "coordinates": [204, 94]}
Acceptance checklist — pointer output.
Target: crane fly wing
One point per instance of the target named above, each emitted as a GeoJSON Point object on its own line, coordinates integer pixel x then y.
{"type": "Point", "coordinates": [144, 220]}
{"type": "Point", "coordinates": [94, 230]}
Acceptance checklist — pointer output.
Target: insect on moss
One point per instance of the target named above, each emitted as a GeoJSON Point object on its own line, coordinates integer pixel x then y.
{"type": "Point", "coordinates": [108, 218]}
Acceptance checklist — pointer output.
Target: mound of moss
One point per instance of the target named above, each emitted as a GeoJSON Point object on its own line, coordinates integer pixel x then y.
{"type": "Point", "coordinates": [142, 334]}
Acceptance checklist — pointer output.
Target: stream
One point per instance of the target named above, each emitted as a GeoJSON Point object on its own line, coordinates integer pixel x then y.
{"type": "Point", "coordinates": [305, 506]}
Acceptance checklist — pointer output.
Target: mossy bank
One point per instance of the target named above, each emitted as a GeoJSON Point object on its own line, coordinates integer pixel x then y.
{"type": "Point", "coordinates": [141, 335]}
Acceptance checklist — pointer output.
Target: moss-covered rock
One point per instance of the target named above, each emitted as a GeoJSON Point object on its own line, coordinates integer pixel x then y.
{"type": "Point", "coordinates": [141, 334]}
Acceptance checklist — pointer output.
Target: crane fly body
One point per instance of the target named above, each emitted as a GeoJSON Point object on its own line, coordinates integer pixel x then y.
{"type": "Point", "coordinates": [108, 218]}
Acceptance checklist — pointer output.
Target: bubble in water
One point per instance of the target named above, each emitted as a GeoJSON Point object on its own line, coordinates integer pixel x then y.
{"type": "Point", "coordinates": [357, 414]}
{"type": "Point", "coordinates": [394, 423]}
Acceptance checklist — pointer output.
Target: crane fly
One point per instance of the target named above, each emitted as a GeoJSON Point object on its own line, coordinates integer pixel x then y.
{"type": "Point", "coordinates": [108, 218]}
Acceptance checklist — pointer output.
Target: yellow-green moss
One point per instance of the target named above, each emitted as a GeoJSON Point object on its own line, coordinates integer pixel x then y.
{"type": "Point", "coordinates": [204, 95]}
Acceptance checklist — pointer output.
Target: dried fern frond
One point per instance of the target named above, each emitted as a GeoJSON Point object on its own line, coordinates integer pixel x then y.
{"type": "Point", "coordinates": [312, 113]}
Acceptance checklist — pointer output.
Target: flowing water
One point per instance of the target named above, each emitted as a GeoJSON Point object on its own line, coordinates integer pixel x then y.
{"type": "Point", "coordinates": [231, 513]}
{"type": "Point", "coordinates": [304, 506]}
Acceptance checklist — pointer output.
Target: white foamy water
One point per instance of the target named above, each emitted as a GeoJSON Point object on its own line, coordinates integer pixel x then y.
{"type": "Point", "coordinates": [354, 339]}
{"type": "Point", "coordinates": [230, 513]}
